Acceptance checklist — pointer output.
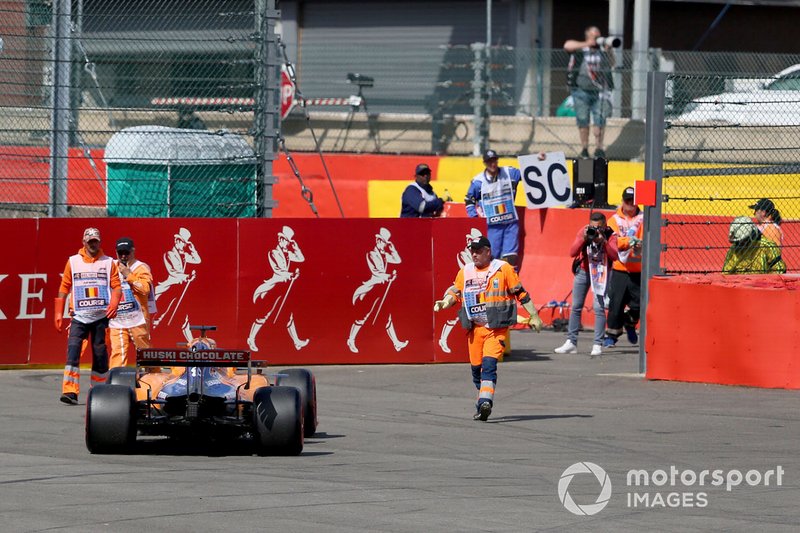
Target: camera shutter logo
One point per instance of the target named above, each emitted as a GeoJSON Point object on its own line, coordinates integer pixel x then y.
{"type": "Point", "coordinates": [584, 468]}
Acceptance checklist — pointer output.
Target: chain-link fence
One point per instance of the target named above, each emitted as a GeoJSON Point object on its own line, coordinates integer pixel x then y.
{"type": "Point", "coordinates": [145, 108]}
{"type": "Point", "coordinates": [157, 108]}
{"type": "Point", "coordinates": [732, 155]}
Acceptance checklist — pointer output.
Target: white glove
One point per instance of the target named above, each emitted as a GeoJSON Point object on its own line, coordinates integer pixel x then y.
{"type": "Point", "coordinates": [533, 321]}
{"type": "Point", "coordinates": [444, 303]}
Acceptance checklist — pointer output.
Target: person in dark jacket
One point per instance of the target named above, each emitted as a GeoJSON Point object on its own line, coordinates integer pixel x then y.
{"type": "Point", "coordinates": [419, 200]}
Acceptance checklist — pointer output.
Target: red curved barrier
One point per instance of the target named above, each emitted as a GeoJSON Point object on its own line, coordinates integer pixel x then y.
{"type": "Point", "coordinates": [731, 330]}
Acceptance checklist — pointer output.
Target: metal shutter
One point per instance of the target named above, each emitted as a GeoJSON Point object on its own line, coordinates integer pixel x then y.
{"type": "Point", "coordinates": [401, 45]}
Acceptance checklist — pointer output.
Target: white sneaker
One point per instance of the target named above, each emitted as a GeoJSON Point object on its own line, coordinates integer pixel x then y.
{"type": "Point", "coordinates": [567, 347]}
{"type": "Point", "coordinates": [597, 349]}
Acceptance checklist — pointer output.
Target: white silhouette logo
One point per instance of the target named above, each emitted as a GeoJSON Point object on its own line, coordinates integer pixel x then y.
{"type": "Point", "coordinates": [175, 260]}
{"type": "Point", "coordinates": [378, 261]}
{"type": "Point", "coordinates": [463, 258]}
{"type": "Point", "coordinates": [584, 468]}
{"type": "Point", "coordinates": [280, 258]}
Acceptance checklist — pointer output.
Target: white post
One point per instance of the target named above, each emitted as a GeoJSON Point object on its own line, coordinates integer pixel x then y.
{"type": "Point", "coordinates": [488, 23]}
{"type": "Point", "coordinates": [641, 42]}
{"type": "Point", "coordinates": [616, 26]}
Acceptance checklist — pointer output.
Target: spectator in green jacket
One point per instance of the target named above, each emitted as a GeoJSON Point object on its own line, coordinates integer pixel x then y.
{"type": "Point", "coordinates": [750, 251]}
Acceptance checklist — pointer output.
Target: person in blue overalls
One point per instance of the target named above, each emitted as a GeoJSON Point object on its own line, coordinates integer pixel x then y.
{"type": "Point", "coordinates": [491, 195]}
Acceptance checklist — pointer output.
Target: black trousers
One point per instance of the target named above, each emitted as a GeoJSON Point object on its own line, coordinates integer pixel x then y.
{"type": "Point", "coordinates": [78, 331]}
{"type": "Point", "coordinates": [625, 289]}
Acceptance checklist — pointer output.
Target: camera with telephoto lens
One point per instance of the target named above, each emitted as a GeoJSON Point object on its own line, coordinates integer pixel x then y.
{"type": "Point", "coordinates": [612, 41]}
{"type": "Point", "coordinates": [592, 232]}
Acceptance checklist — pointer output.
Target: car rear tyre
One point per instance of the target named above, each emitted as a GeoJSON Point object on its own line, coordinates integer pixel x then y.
{"type": "Point", "coordinates": [304, 381]}
{"type": "Point", "coordinates": [122, 375]}
{"type": "Point", "coordinates": [278, 421]}
{"type": "Point", "coordinates": [110, 419]}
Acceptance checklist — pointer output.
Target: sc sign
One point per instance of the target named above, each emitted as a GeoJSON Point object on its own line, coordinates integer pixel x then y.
{"type": "Point", "coordinates": [547, 183]}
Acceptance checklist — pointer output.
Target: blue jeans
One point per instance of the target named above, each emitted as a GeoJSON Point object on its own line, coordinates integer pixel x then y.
{"type": "Point", "coordinates": [596, 102]}
{"type": "Point", "coordinates": [580, 287]}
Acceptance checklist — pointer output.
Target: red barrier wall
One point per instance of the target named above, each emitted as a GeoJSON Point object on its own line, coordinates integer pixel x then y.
{"type": "Point", "coordinates": [546, 263]}
{"type": "Point", "coordinates": [231, 261]}
{"type": "Point", "coordinates": [27, 168]}
{"type": "Point", "coordinates": [350, 172]}
{"type": "Point", "coordinates": [731, 330]}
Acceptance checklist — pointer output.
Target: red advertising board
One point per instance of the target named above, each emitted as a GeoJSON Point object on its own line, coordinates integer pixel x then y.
{"type": "Point", "coordinates": [450, 338]}
{"type": "Point", "coordinates": [291, 291]}
{"type": "Point", "coordinates": [22, 291]}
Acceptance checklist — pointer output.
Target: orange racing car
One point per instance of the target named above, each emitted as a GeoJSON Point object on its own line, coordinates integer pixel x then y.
{"type": "Point", "coordinates": [206, 391]}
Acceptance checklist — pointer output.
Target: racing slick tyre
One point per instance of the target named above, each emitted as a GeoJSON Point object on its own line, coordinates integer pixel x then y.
{"type": "Point", "coordinates": [122, 375]}
{"type": "Point", "coordinates": [304, 381]}
{"type": "Point", "coordinates": [278, 421]}
{"type": "Point", "coordinates": [110, 419]}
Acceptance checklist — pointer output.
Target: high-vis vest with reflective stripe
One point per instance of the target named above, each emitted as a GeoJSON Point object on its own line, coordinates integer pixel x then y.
{"type": "Point", "coordinates": [497, 297]}
{"type": "Point", "coordinates": [625, 228]}
{"type": "Point", "coordinates": [497, 198]}
{"type": "Point", "coordinates": [91, 288]}
{"type": "Point", "coordinates": [129, 311]}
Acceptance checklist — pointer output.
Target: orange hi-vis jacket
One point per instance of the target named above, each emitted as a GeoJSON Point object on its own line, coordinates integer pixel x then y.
{"type": "Point", "coordinates": [502, 287]}
{"type": "Point", "coordinates": [626, 227]}
{"type": "Point", "coordinates": [771, 231]}
{"type": "Point", "coordinates": [138, 285]}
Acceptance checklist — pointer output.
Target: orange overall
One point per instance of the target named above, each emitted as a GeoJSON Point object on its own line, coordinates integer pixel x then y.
{"type": "Point", "coordinates": [489, 299]}
{"type": "Point", "coordinates": [133, 327]}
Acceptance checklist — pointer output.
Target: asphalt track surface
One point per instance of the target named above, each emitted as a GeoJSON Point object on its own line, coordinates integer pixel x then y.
{"type": "Point", "coordinates": [397, 450]}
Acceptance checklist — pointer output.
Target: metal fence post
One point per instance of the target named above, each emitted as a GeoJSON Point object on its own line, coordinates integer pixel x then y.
{"type": "Point", "coordinates": [60, 113]}
{"type": "Point", "coordinates": [653, 170]}
{"type": "Point", "coordinates": [76, 81]}
{"type": "Point", "coordinates": [479, 98]}
{"type": "Point", "coordinates": [267, 103]}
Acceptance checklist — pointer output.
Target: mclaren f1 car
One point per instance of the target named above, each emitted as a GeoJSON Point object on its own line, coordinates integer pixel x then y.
{"type": "Point", "coordinates": [202, 391]}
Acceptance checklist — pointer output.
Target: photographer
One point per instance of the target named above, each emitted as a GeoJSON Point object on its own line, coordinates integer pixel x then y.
{"type": "Point", "coordinates": [593, 251]}
{"type": "Point", "coordinates": [590, 83]}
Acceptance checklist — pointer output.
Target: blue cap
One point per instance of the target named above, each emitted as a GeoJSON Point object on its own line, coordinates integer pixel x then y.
{"type": "Point", "coordinates": [489, 155]}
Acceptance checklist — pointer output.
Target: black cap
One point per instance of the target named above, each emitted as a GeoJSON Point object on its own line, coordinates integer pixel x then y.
{"type": "Point", "coordinates": [489, 154]}
{"type": "Point", "coordinates": [765, 204]}
{"type": "Point", "coordinates": [480, 242]}
{"type": "Point", "coordinates": [628, 193]}
{"type": "Point", "coordinates": [125, 244]}
{"type": "Point", "coordinates": [422, 169]}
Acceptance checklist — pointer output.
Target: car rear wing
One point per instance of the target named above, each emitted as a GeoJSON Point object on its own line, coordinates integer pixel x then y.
{"type": "Point", "coordinates": [203, 358]}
